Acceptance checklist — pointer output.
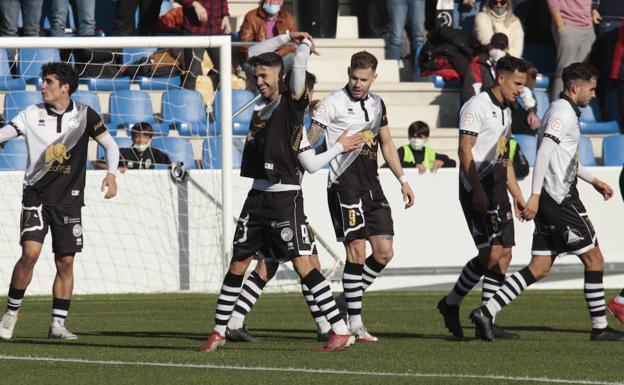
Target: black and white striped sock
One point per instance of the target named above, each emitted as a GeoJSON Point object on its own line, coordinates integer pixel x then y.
{"type": "Point", "coordinates": [352, 285]}
{"type": "Point", "coordinates": [230, 289]}
{"type": "Point", "coordinates": [14, 299]}
{"type": "Point", "coordinates": [469, 277]}
{"type": "Point", "coordinates": [321, 322]}
{"type": "Point", "coordinates": [595, 298]}
{"type": "Point", "coordinates": [512, 287]}
{"type": "Point", "coordinates": [252, 289]}
{"type": "Point", "coordinates": [60, 310]}
{"type": "Point", "coordinates": [492, 281]}
{"type": "Point", "coordinates": [323, 297]}
{"type": "Point", "coordinates": [371, 270]}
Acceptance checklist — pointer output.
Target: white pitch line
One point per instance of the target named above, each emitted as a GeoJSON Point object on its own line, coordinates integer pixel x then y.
{"type": "Point", "coordinates": [304, 370]}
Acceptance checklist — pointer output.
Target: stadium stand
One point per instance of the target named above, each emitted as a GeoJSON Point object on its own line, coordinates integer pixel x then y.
{"type": "Point", "coordinates": [184, 111]}
{"type": "Point", "coordinates": [129, 107]}
{"type": "Point", "coordinates": [591, 122]}
{"type": "Point", "coordinates": [31, 60]}
{"type": "Point", "coordinates": [7, 81]}
{"type": "Point", "coordinates": [13, 155]}
{"type": "Point", "coordinates": [16, 101]}
{"type": "Point", "coordinates": [211, 153]}
{"type": "Point", "coordinates": [613, 150]}
{"type": "Point", "coordinates": [240, 124]}
{"type": "Point", "coordinates": [528, 144]}
{"type": "Point", "coordinates": [586, 153]}
{"type": "Point", "coordinates": [178, 149]}
{"type": "Point", "coordinates": [88, 98]}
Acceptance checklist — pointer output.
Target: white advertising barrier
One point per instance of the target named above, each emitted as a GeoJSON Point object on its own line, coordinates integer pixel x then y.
{"type": "Point", "coordinates": [156, 236]}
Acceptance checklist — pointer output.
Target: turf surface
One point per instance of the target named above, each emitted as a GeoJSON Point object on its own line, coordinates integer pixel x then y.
{"type": "Point", "coordinates": [414, 346]}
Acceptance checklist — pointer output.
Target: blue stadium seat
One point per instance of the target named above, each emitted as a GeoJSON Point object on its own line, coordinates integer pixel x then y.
{"type": "Point", "coordinates": [178, 149]}
{"type": "Point", "coordinates": [122, 142]}
{"type": "Point", "coordinates": [184, 110]}
{"type": "Point", "coordinates": [613, 150]}
{"type": "Point", "coordinates": [542, 81]}
{"type": "Point", "coordinates": [7, 81]}
{"type": "Point", "coordinates": [240, 124]}
{"type": "Point", "coordinates": [14, 155]}
{"type": "Point", "coordinates": [88, 98]}
{"type": "Point", "coordinates": [16, 101]}
{"type": "Point", "coordinates": [439, 82]}
{"type": "Point", "coordinates": [542, 102]}
{"type": "Point", "coordinates": [586, 153]}
{"type": "Point", "coordinates": [591, 123]}
{"type": "Point", "coordinates": [211, 153]}
{"type": "Point", "coordinates": [108, 84]}
{"type": "Point", "coordinates": [528, 145]}
{"type": "Point", "coordinates": [31, 60]}
{"type": "Point", "coordinates": [129, 107]}
{"type": "Point", "coordinates": [542, 56]}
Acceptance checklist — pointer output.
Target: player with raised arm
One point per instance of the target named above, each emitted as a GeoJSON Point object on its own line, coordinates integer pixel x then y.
{"type": "Point", "coordinates": [486, 175]}
{"type": "Point", "coordinates": [57, 135]}
{"type": "Point", "coordinates": [272, 220]}
{"type": "Point", "coordinates": [357, 204]}
{"type": "Point", "coordinates": [562, 225]}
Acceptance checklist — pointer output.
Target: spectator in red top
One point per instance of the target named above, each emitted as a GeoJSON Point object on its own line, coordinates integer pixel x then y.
{"type": "Point", "coordinates": [265, 22]}
{"type": "Point", "coordinates": [202, 17]}
{"type": "Point", "coordinates": [617, 72]}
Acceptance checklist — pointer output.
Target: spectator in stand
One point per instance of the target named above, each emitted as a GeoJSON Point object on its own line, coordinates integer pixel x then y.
{"type": "Point", "coordinates": [85, 12]}
{"type": "Point", "coordinates": [524, 119]}
{"type": "Point", "coordinates": [464, 14]}
{"type": "Point", "coordinates": [400, 12]}
{"type": "Point", "coordinates": [124, 17]}
{"type": "Point", "coordinates": [482, 73]}
{"type": "Point", "coordinates": [31, 14]}
{"type": "Point", "coordinates": [417, 154]}
{"type": "Point", "coordinates": [497, 17]}
{"type": "Point", "coordinates": [266, 22]}
{"type": "Point", "coordinates": [573, 32]}
{"type": "Point", "coordinates": [610, 13]}
{"type": "Point", "coordinates": [202, 17]}
{"type": "Point", "coordinates": [617, 71]}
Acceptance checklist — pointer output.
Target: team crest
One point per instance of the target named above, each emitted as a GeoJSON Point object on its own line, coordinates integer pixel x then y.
{"type": "Point", "coordinates": [572, 236]}
{"type": "Point", "coordinates": [286, 234]}
{"type": "Point", "coordinates": [77, 230]}
{"type": "Point", "coordinates": [72, 123]}
{"type": "Point", "coordinates": [468, 119]}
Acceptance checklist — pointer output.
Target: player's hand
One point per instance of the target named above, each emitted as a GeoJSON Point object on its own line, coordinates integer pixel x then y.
{"type": "Point", "coordinates": [421, 168]}
{"type": "Point", "coordinates": [298, 37]}
{"type": "Point", "coordinates": [110, 185]}
{"type": "Point", "coordinates": [531, 208]}
{"type": "Point", "coordinates": [350, 142]}
{"type": "Point", "coordinates": [596, 18]}
{"type": "Point", "coordinates": [604, 189]}
{"type": "Point", "coordinates": [200, 11]}
{"type": "Point", "coordinates": [480, 201]}
{"type": "Point", "coordinates": [408, 195]}
{"type": "Point", "coordinates": [226, 26]}
{"type": "Point", "coordinates": [533, 121]}
{"type": "Point", "coordinates": [519, 206]}
{"type": "Point", "coordinates": [436, 165]}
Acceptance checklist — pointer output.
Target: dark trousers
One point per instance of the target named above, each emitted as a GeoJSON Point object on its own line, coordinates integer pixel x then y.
{"type": "Point", "coordinates": [192, 64]}
{"type": "Point", "coordinates": [124, 17]}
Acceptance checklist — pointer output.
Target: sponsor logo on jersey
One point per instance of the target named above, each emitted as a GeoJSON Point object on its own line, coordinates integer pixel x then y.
{"type": "Point", "coordinates": [368, 137]}
{"type": "Point", "coordinates": [572, 236]}
{"type": "Point", "coordinates": [468, 118]}
{"type": "Point", "coordinates": [57, 153]}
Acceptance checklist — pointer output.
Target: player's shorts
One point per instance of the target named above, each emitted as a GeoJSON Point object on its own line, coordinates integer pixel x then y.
{"type": "Point", "coordinates": [562, 228]}
{"type": "Point", "coordinates": [273, 225]}
{"type": "Point", "coordinates": [65, 224]}
{"type": "Point", "coordinates": [359, 214]}
{"type": "Point", "coordinates": [495, 226]}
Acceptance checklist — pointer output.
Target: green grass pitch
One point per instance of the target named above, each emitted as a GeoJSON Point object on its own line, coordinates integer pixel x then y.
{"type": "Point", "coordinates": [120, 334]}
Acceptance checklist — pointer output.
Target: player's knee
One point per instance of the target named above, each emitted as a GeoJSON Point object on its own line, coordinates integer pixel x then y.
{"type": "Point", "coordinates": [384, 256]}
{"type": "Point", "coordinates": [593, 260]}
{"type": "Point", "coordinates": [239, 266]}
{"type": "Point", "coordinates": [29, 259]}
{"type": "Point", "coordinates": [64, 265]}
{"type": "Point", "coordinates": [356, 251]}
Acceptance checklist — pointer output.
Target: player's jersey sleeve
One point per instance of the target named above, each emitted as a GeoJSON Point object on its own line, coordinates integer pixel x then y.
{"type": "Point", "coordinates": [471, 119]}
{"type": "Point", "coordinates": [555, 127]}
{"type": "Point", "coordinates": [304, 145]}
{"type": "Point", "coordinates": [20, 122]}
{"type": "Point", "coordinates": [323, 113]}
{"type": "Point", "coordinates": [95, 124]}
{"type": "Point", "coordinates": [384, 114]}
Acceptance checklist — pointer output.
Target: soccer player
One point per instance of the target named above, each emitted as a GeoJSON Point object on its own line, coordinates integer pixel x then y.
{"type": "Point", "coordinates": [562, 225]}
{"type": "Point", "coordinates": [57, 133]}
{"type": "Point", "coordinates": [357, 205]}
{"type": "Point", "coordinates": [272, 220]}
{"type": "Point", "coordinates": [486, 174]}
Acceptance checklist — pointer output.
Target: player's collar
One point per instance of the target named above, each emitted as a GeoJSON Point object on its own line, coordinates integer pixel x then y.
{"type": "Point", "coordinates": [51, 111]}
{"type": "Point", "coordinates": [346, 89]}
{"type": "Point", "coordinates": [495, 101]}
{"type": "Point", "coordinates": [575, 106]}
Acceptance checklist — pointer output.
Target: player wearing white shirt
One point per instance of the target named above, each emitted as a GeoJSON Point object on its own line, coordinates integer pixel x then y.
{"type": "Point", "coordinates": [486, 174]}
{"type": "Point", "coordinates": [562, 225]}
{"type": "Point", "coordinates": [357, 205]}
{"type": "Point", "coordinates": [57, 136]}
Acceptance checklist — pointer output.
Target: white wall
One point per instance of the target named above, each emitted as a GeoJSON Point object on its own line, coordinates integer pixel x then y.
{"type": "Point", "coordinates": [132, 242]}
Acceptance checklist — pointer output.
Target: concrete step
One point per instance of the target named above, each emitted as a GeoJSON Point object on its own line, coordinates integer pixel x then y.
{"type": "Point", "coordinates": [343, 48]}
{"type": "Point", "coordinates": [400, 116]}
{"type": "Point", "coordinates": [347, 27]}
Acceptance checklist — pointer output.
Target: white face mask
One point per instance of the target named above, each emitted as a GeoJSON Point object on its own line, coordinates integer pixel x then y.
{"type": "Point", "coordinates": [417, 143]}
{"type": "Point", "coordinates": [271, 9]}
{"type": "Point", "coordinates": [140, 147]}
{"type": "Point", "coordinates": [496, 54]}
{"type": "Point", "coordinates": [500, 11]}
